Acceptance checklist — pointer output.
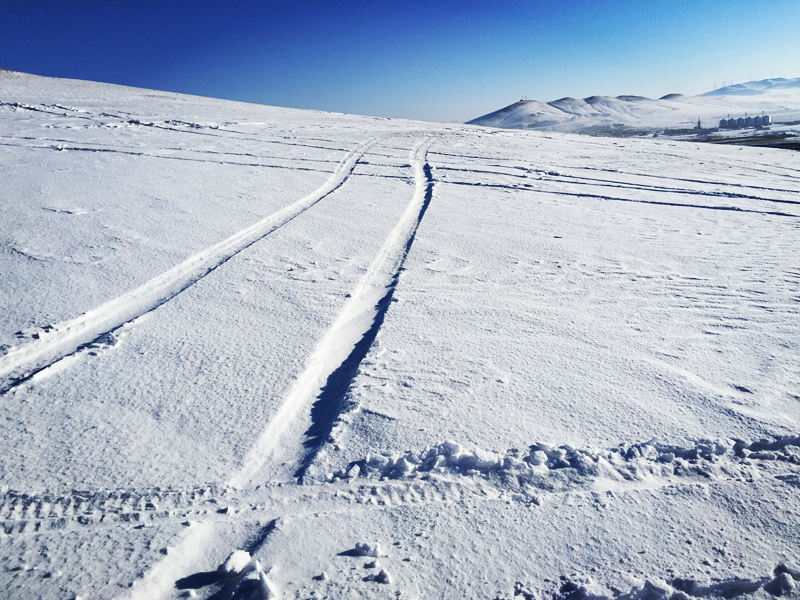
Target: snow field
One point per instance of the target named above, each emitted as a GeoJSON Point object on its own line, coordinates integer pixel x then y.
{"type": "Point", "coordinates": [642, 294]}
{"type": "Point", "coordinates": [274, 421]}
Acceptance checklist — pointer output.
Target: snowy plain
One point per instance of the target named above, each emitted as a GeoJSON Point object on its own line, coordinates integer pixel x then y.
{"type": "Point", "coordinates": [387, 358]}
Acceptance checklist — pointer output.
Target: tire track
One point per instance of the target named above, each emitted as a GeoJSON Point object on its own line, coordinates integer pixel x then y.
{"type": "Point", "coordinates": [26, 513]}
{"type": "Point", "coordinates": [444, 474]}
{"type": "Point", "coordinates": [558, 177]}
{"type": "Point", "coordinates": [60, 147]}
{"type": "Point", "coordinates": [355, 324]}
{"type": "Point", "coordinates": [531, 189]}
{"type": "Point", "coordinates": [288, 429]}
{"type": "Point", "coordinates": [31, 516]}
{"type": "Point", "coordinates": [22, 362]}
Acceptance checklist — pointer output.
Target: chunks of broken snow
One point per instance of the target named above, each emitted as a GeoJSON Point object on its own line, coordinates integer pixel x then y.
{"type": "Point", "coordinates": [782, 583]}
{"type": "Point", "coordinates": [365, 549]}
{"type": "Point", "coordinates": [236, 564]}
{"type": "Point", "coordinates": [623, 462]}
{"type": "Point", "coordinates": [248, 573]}
{"type": "Point", "coordinates": [267, 589]}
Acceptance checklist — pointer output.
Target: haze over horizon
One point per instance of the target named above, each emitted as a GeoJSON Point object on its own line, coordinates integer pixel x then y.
{"type": "Point", "coordinates": [451, 61]}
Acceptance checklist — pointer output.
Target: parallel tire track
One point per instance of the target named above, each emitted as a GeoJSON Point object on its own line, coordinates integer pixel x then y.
{"type": "Point", "coordinates": [22, 362]}
{"type": "Point", "coordinates": [354, 322]}
{"type": "Point", "coordinates": [286, 429]}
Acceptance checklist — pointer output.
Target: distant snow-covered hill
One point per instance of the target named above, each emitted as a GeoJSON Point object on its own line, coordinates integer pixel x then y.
{"type": "Point", "coordinates": [754, 88]}
{"type": "Point", "coordinates": [780, 98]}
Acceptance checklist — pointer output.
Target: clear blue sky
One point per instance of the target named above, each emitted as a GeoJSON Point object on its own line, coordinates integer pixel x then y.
{"type": "Point", "coordinates": [448, 61]}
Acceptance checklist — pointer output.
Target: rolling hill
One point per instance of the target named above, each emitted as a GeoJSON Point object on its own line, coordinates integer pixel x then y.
{"type": "Point", "coordinates": [780, 98]}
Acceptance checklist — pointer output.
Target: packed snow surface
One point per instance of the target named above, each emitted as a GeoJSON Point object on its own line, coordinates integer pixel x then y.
{"type": "Point", "coordinates": [254, 352]}
{"type": "Point", "coordinates": [778, 98]}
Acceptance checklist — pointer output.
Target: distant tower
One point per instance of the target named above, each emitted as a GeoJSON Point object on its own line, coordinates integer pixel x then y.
{"type": "Point", "coordinates": [740, 122]}
{"type": "Point", "coordinates": [756, 120]}
{"type": "Point", "coordinates": [723, 123]}
{"type": "Point", "coordinates": [766, 120]}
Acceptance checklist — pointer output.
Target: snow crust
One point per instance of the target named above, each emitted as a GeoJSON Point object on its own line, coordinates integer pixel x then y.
{"type": "Point", "coordinates": [255, 352]}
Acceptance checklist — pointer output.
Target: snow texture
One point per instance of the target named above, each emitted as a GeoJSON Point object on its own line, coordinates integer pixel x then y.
{"type": "Point", "coordinates": [256, 352]}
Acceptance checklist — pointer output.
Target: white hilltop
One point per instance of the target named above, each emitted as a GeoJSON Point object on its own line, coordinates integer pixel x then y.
{"type": "Point", "coordinates": [779, 98]}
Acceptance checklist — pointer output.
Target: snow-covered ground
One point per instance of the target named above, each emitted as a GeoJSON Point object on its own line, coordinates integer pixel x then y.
{"type": "Point", "coordinates": [779, 98]}
{"type": "Point", "coordinates": [255, 352]}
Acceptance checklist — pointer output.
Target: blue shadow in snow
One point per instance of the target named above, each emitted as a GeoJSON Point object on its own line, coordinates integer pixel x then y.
{"type": "Point", "coordinates": [333, 396]}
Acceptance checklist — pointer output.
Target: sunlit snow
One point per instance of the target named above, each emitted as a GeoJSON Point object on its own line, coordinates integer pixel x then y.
{"type": "Point", "coordinates": [256, 352]}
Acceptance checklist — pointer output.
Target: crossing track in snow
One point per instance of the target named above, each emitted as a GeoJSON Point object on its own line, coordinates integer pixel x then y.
{"type": "Point", "coordinates": [442, 474]}
{"type": "Point", "coordinates": [354, 325]}
{"type": "Point", "coordinates": [22, 362]}
{"type": "Point", "coordinates": [22, 514]}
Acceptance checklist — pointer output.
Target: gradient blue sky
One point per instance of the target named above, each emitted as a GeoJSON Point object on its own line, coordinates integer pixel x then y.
{"type": "Point", "coordinates": [448, 61]}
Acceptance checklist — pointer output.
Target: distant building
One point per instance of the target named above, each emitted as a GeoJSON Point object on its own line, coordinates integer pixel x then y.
{"type": "Point", "coordinates": [731, 123]}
